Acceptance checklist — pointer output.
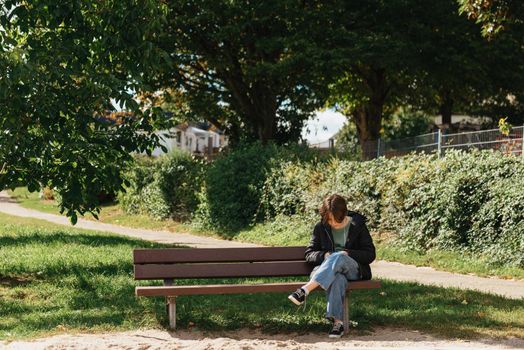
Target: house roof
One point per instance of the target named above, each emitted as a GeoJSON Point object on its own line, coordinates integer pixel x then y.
{"type": "Point", "coordinates": [200, 127]}
{"type": "Point", "coordinates": [113, 117]}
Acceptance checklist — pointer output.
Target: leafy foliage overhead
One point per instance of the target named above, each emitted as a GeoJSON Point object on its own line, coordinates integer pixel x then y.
{"type": "Point", "coordinates": [433, 59]}
{"type": "Point", "coordinates": [61, 63]}
{"type": "Point", "coordinates": [252, 68]}
{"type": "Point", "coordinates": [494, 15]}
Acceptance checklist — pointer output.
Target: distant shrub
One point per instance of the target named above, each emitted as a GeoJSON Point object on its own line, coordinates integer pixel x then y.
{"type": "Point", "coordinates": [179, 179]}
{"type": "Point", "coordinates": [233, 187]}
{"type": "Point", "coordinates": [138, 176]}
{"type": "Point", "coordinates": [406, 122]}
{"type": "Point", "coordinates": [163, 187]}
{"type": "Point", "coordinates": [246, 185]}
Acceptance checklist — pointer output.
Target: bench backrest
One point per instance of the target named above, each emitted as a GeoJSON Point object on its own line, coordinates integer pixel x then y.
{"type": "Point", "coordinates": [220, 262]}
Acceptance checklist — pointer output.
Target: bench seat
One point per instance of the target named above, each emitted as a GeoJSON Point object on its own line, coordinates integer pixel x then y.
{"type": "Point", "coordinates": [166, 291]}
{"type": "Point", "coordinates": [172, 264]}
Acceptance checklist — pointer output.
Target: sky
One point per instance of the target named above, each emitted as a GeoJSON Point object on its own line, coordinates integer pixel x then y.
{"type": "Point", "coordinates": [330, 120]}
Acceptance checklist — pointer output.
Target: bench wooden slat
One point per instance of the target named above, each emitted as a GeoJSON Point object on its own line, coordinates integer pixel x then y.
{"type": "Point", "coordinates": [189, 255]}
{"type": "Point", "coordinates": [261, 269]}
{"type": "Point", "coordinates": [180, 263]}
{"type": "Point", "coordinates": [237, 288]}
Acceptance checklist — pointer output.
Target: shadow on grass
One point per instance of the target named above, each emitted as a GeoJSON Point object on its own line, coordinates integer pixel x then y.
{"type": "Point", "coordinates": [448, 312]}
{"type": "Point", "coordinates": [10, 281]}
{"type": "Point", "coordinates": [57, 237]}
{"type": "Point", "coordinates": [108, 301]}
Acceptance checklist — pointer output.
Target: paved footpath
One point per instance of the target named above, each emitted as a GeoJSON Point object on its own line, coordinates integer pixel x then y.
{"type": "Point", "coordinates": [513, 289]}
{"type": "Point", "coordinates": [9, 206]}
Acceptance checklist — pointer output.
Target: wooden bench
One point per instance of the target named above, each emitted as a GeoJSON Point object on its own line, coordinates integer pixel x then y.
{"type": "Point", "coordinates": [182, 263]}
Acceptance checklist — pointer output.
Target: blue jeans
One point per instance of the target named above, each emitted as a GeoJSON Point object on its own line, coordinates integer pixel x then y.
{"type": "Point", "coordinates": [333, 276]}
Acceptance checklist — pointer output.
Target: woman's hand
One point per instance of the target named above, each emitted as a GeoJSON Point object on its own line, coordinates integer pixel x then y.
{"type": "Point", "coordinates": [327, 255]}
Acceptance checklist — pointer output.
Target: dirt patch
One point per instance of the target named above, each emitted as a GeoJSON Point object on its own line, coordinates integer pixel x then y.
{"type": "Point", "coordinates": [383, 338]}
{"type": "Point", "coordinates": [10, 281]}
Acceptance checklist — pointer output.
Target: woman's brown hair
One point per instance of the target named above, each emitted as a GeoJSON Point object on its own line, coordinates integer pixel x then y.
{"type": "Point", "coordinates": [334, 204]}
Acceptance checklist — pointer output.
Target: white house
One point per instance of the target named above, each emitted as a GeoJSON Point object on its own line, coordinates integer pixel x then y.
{"type": "Point", "coordinates": [191, 138]}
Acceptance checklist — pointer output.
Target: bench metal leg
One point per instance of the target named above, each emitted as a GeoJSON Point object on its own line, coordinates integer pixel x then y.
{"type": "Point", "coordinates": [346, 310]}
{"type": "Point", "coordinates": [169, 282]}
{"type": "Point", "coordinates": [171, 313]}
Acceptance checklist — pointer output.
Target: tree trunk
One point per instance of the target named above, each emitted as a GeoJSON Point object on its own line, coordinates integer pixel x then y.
{"type": "Point", "coordinates": [368, 117]}
{"type": "Point", "coordinates": [446, 108]}
{"type": "Point", "coordinates": [256, 104]}
{"type": "Point", "coordinates": [265, 128]}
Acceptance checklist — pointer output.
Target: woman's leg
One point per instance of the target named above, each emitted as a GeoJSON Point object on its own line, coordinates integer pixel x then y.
{"type": "Point", "coordinates": [335, 298]}
{"type": "Point", "coordinates": [337, 263]}
{"type": "Point", "coordinates": [325, 274]}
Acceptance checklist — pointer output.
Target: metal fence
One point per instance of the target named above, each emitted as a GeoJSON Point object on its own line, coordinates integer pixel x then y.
{"type": "Point", "coordinates": [438, 142]}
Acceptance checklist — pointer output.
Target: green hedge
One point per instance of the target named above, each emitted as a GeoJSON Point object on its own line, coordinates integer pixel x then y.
{"type": "Point", "coordinates": [233, 182]}
{"type": "Point", "coordinates": [470, 202]}
{"type": "Point", "coordinates": [235, 191]}
{"type": "Point", "coordinates": [467, 202]}
{"type": "Point", "coordinates": [163, 188]}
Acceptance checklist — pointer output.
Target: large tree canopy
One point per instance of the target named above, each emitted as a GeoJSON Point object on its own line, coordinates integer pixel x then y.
{"type": "Point", "coordinates": [60, 65]}
{"type": "Point", "coordinates": [256, 68]}
{"type": "Point", "coordinates": [384, 60]}
{"type": "Point", "coordinates": [430, 58]}
{"type": "Point", "coordinates": [463, 71]}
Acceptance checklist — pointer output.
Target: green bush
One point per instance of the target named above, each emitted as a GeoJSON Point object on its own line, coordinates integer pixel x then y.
{"type": "Point", "coordinates": [471, 202]}
{"type": "Point", "coordinates": [357, 182]}
{"type": "Point", "coordinates": [498, 226]}
{"type": "Point", "coordinates": [237, 190]}
{"type": "Point", "coordinates": [179, 179]}
{"type": "Point", "coordinates": [138, 176]}
{"type": "Point", "coordinates": [233, 187]}
{"type": "Point", "coordinates": [287, 188]}
{"type": "Point", "coordinates": [164, 187]}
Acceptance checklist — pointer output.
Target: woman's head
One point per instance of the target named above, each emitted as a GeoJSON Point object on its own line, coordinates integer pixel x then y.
{"type": "Point", "coordinates": [333, 206]}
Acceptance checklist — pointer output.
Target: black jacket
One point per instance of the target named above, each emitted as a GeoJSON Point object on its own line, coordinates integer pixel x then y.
{"type": "Point", "coordinates": [359, 244]}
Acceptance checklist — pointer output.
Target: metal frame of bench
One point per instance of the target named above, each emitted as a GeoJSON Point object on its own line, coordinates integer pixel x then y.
{"type": "Point", "coordinates": [181, 263]}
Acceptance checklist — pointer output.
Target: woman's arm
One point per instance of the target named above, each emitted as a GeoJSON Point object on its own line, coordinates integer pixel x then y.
{"type": "Point", "coordinates": [314, 253]}
{"type": "Point", "coordinates": [365, 254]}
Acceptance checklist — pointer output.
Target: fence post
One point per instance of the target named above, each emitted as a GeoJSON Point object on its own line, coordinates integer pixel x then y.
{"type": "Point", "coordinates": [439, 143]}
{"type": "Point", "coordinates": [378, 148]}
{"type": "Point", "coordinates": [522, 149]}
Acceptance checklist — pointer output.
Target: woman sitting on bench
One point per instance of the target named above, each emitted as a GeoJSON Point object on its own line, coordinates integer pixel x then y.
{"type": "Point", "coordinates": [342, 249]}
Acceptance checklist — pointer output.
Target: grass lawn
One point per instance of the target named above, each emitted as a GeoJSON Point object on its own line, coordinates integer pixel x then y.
{"type": "Point", "coordinates": [277, 233]}
{"type": "Point", "coordinates": [55, 279]}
